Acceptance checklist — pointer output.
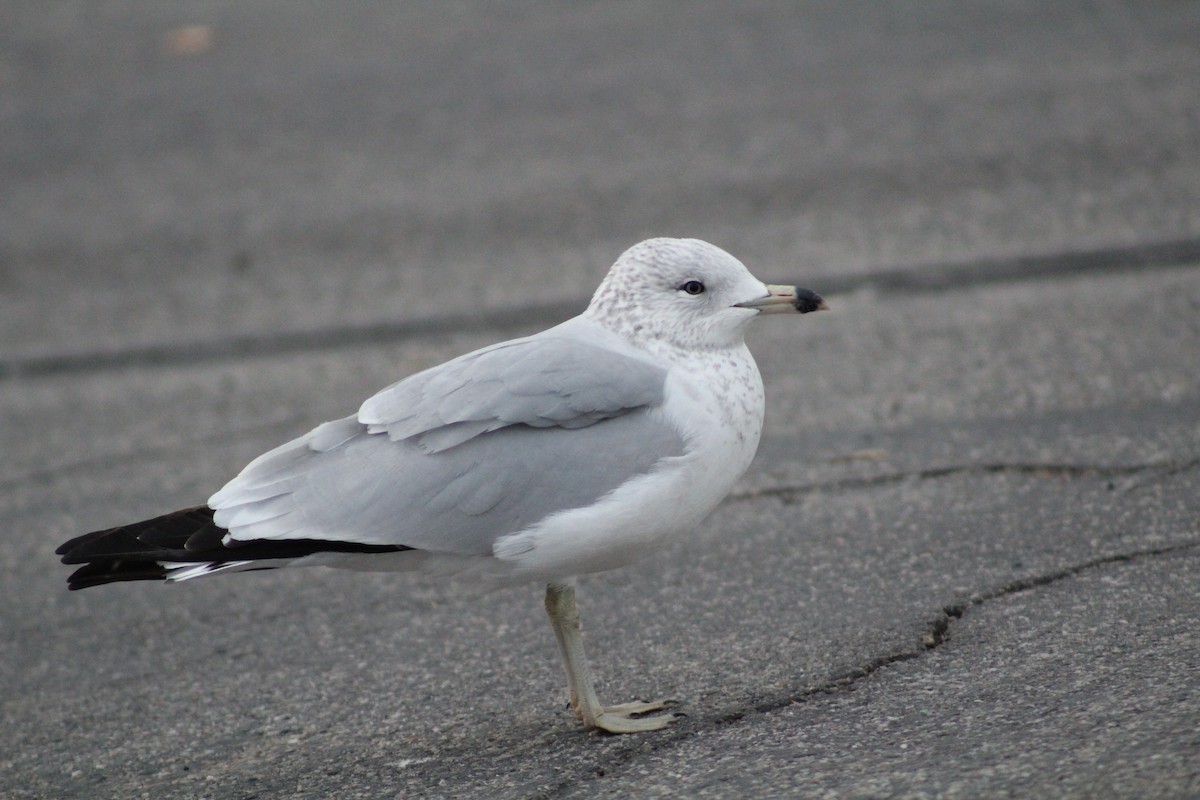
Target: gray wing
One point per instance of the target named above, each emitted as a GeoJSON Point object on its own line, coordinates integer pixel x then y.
{"type": "Point", "coordinates": [456, 456]}
{"type": "Point", "coordinates": [542, 381]}
{"type": "Point", "coordinates": [368, 489]}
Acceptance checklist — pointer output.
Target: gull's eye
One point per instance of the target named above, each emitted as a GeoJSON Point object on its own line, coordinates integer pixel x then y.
{"type": "Point", "coordinates": [693, 287]}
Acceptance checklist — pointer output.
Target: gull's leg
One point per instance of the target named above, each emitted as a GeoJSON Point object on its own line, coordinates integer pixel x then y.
{"type": "Point", "coordinates": [564, 618]}
{"type": "Point", "coordinates": [554, 595]}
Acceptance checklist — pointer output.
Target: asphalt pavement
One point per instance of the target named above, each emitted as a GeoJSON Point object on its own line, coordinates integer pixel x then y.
{"type": "Point", "coordinates": [964, 564]}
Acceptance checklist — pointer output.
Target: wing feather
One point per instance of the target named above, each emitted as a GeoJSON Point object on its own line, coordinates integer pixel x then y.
{"type": "Point", "coordinates": [555, 378]}
{"type": "Point", "coordinates": [371, 490]}
{"type": "Point", "coordinates": [452, 458]}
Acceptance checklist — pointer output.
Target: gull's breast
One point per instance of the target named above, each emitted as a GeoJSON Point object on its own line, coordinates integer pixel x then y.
{"type": "Point", "coordinates": [715, 401]}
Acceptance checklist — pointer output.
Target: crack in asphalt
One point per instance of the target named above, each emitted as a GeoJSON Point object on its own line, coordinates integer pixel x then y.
{"type": "Point", "coordinates": [792, 494]}
{"type": "Point", "coordinates": [939, 629]}
{"type": "Point", "coordinates": [937, 634]}
{"type": "Point", "coordinates": [912, 279]}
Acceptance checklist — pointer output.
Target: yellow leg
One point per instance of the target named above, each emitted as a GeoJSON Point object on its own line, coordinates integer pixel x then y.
{"type": "Point", "coordinates": [623, 718]}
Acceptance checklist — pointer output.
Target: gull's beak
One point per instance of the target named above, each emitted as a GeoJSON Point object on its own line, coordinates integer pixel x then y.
{"type": "Point", "coordinates": [786, 300]}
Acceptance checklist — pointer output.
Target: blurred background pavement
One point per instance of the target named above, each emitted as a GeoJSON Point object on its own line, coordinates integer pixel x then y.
{"type": "Point", "coordinates": [965, 561]}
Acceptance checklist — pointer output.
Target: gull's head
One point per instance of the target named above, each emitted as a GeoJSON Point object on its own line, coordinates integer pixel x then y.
{"type": "Point", "coordinates": [688, 293]}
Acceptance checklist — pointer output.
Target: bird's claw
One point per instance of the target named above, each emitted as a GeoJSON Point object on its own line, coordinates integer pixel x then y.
{"type": "Point", "coordinates": [630, 717]}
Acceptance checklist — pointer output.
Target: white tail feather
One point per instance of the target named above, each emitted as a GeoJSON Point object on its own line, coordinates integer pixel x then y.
{"type": "Point", "coordinates": [186, 570]}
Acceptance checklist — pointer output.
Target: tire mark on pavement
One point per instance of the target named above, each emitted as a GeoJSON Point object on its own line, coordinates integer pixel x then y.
{"type": "Point", "coordinates": [913, 279]}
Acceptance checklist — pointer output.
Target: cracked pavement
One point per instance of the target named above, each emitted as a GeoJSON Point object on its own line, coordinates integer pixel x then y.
{"type": "Point", "coordinates": [964, 563]}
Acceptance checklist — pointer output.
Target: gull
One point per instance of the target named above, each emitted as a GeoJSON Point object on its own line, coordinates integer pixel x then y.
{"type": "Point", "coordinates": [576, 450]}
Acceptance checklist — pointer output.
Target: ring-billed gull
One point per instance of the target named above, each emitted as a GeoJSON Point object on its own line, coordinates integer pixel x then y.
{"type": "Point", "coordinates": [575, 450]}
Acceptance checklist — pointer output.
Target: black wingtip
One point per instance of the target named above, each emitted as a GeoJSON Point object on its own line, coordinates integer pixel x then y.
{"type": "Point", "coordinates": [135, 552]}
{"type": "Point", "coordinates": [165, 538]}
{"type": "Point", "coordinates": [99, 573]}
